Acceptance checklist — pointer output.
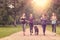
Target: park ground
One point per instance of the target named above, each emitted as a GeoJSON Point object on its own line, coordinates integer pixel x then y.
{"type": "Point", "coordinates": [19, 35]}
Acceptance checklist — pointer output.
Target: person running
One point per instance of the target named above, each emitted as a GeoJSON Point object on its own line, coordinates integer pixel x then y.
{"type": "Point", "coordinates": [23, 20]}
{"type": "Point", "coordinates": [53, 20]}
{"type": "Point", "coordinates": [31, 23]}
{"type": "Point", "coordinates": [43, 23]}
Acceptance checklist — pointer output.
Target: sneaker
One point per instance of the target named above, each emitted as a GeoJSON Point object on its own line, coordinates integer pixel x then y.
{"type": "Point", "coordinates": [24, 34]}
{"type": "Point", "coordinates": [44, 34]}
{"type": "Point", "coordinates": [55, 34]}
{"type": "Point", "coordinates": [30, 33]}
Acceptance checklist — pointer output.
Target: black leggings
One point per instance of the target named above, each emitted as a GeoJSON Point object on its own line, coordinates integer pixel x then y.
{"type": "Point", "coordinates": [23, 26]}
{"type": "Point", "coordinates": [31, 27]}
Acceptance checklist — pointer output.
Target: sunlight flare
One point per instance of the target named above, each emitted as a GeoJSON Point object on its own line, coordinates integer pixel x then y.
{"type": "Point", "coordinates": [41, 4]}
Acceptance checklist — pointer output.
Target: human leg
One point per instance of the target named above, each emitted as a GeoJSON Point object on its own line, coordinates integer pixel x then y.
{"type": "Point", "coordinates": [23, 26]}
{"type": "Point", "coordinates": [44, 29]}
{"type": "Point", "coordinates": [31, 28]}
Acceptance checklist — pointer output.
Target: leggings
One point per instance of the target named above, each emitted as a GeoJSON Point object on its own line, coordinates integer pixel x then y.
{"type": "Point", "coordinates": [54, 28]}
{"type": "Point", "coordinates": [44, 28]}
{"type": "Point", "coordinates": [23, 26]}
{"type": "Point", "coordinates": [31, 27]}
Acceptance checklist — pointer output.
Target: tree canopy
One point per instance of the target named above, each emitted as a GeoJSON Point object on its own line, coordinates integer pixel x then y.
{"type": "Point", "coordinates": [8, 15]}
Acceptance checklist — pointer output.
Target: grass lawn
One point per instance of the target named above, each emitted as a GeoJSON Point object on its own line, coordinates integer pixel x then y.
{"type": "Point", "coordinates": [57, 29]}
{"type": "Point", "coordinates": [8, 30]}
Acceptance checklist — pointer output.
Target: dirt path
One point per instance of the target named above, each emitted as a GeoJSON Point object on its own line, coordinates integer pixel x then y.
{"type": "Point", "coordinates": [19, 36]}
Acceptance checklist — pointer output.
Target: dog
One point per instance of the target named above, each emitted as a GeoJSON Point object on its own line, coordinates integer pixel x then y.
{"type": "Point", "coordinates": [36, 30]}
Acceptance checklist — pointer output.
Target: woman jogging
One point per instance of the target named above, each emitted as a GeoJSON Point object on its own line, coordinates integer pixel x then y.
{"type": "Point", "coordinates": [53, 21]}
{"type": "Point", "coordinates": [43, 23]}
{"type": "Point", "coordinates": [31, 23]}
{"type": "Point", "coordinates": [23, 20]}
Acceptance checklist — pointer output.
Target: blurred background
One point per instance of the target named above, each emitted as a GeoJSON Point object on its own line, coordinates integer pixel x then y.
{"type": "Point", "coordinates": [11, 10]}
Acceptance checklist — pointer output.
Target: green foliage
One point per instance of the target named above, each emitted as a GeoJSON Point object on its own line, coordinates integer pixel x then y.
{"type": "Point", "coordinates": [8, 15]}
{"type": "Point", "coordinates": [10, 19]}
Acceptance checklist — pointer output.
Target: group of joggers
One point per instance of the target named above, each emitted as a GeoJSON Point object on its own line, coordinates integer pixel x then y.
{"type": "Point", "coordinates": [43, 19]}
